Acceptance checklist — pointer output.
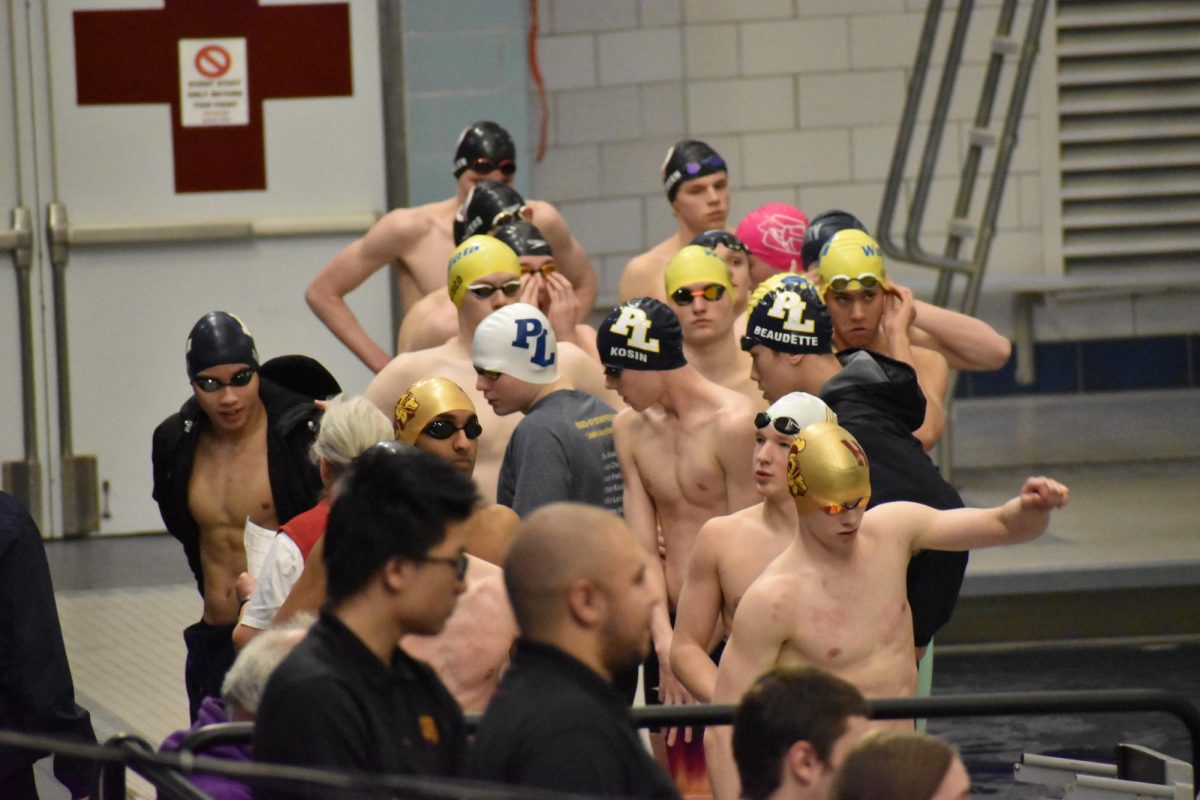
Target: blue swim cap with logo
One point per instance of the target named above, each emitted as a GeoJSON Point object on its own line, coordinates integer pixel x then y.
{"type": "Point", "coordinates": [642, 333]}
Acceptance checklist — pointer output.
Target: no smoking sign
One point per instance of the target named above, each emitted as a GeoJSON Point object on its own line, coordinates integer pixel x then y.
{"type": "Point", "coordinates": [212, 82]}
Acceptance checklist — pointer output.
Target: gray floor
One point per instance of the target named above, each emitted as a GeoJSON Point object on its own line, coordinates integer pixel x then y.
{"type": "Point", "coordinates": [1132, 461]}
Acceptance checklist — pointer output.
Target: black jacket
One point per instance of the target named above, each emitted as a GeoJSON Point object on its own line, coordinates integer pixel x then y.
{"type": "Point", "coordinates": [878, 400]}
{"type": "Point", "coordinates": [292, 422]}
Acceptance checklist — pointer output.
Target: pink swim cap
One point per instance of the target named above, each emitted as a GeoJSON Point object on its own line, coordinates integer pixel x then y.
{"type": "Point", "coordinates": [775, 234]}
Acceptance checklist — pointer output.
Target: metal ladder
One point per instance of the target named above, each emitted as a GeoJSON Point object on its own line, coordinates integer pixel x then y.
{"type": "Point", "coordinates": [950, 264]}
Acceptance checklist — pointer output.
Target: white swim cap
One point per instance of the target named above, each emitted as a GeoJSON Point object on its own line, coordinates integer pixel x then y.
{"type": "Point", "coordinates": [517, 340]}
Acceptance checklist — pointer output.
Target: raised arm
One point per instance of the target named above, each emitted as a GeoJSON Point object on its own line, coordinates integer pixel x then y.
{"type": "Point", "coordinates": [753, 648]}
{"type": "Point", "coordinates": [698, 612]}
{"type": "Point", "coordinates": [569, 256]}
{"type": "Point", "coordinates": [930, 366]}
{"type": "Point", "coordinates": [385, 241]}
{"type": "Point", "coordinates": [967, 343]}
{"type": "Point", "coordinates": [1021, 519]}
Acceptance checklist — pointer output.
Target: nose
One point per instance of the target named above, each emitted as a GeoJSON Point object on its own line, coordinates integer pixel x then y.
{"type": "Point", "coordinates": [461, 442]}
{"type": "Point", "coordinates": [857, 311]}
{"type": "Point", "coordinates": [482, 384]}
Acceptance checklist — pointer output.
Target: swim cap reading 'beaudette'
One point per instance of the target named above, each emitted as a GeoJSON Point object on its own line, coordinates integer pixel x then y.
{"type": "Point", "coordinates": [790, 319]}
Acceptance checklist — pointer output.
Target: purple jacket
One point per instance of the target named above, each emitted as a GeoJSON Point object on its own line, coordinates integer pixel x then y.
{"type": "Point", "coordinates": [211, 712]}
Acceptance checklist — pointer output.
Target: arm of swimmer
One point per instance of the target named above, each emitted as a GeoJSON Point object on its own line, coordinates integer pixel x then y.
{"type": "Point", "coordinates": [637, 280]}
{"type": "Point", "coordinates": [569, 255]}
{"type": "Point", "coordinates": [1021, 519]}
{"type": "Point", "coordinates": [753, 648]}
{"type": "Point", "coordinates": [736, 454]}
{"type": "Point", "coordinates": [697, 615]}
{"type": "Point", "coordinates": [930, 366]}
{"type": "Point", "coordinates": [346, 272]}
{"type": "Point", "coordinates": [966, 342]}
{"type": "Point", "coordinates": [309, 592]}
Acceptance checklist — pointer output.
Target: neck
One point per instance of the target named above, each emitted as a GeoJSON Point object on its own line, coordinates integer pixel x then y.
{"type": "Point", "coordinates": [878, 343]}
{"type": "Point", "coordinates": [718, 359]}
{"type": "Point", "coordinates": [815, 370]}
{"type": "Point", "coordinates": [683, 391]}
{"type": "Point", "coordinates": [779, 512]}
{"type": "Point", "coordinates": [378, 631]}
{"type": "Point", "coordinates": [545, 391]}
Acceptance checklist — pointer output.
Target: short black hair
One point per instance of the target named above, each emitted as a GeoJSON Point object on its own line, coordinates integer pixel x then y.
{"type": "Point", "coordinates": [785, 706]}
{"type": "Point", "coordinates": [394, 501]}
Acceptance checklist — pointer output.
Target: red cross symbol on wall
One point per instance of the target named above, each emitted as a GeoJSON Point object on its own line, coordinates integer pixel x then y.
{"type": "Point", "coordinates": [132, 56]}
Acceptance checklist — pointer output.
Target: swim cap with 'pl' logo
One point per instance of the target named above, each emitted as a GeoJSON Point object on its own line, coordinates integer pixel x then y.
{"type": "Point", "coordinates": [642, 333]}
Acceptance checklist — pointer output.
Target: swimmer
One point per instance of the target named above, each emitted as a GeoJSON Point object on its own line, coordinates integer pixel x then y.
{"type": "Point", "coordinates": [775, 235]}
{"type": "Point", "coordinates": [696, 181]}
{"type": "Point", "coordinates": [420, 240]}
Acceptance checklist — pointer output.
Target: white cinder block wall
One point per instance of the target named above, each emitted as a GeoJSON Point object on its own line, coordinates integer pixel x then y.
{"type": "Point", "coordinates": [802, 98]}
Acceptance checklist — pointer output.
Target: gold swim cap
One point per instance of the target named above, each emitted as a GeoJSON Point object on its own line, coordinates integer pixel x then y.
{"type": "Point", "coordinates": [851, 260]}
{"type": "Point", "coordinates": [696, 264]}
{"type": "Point", "coordinates": [774, 282]}
{"type": "Point", "coordinates": [476, 257]}
{"type": "Point", "coordinates": [826, 467]}
{"type": "Point", "coordinates": [423, 401]}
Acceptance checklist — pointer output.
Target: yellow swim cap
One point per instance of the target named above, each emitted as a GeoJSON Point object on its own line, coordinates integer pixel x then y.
{"type": "Point", "coordinates": [696, 264]}
{"type": "Point", "coordinates": [423, 401]}
{"type": "Point", "coordinates": [476, 257]}
{"type": "Point", "coordinates": [851, 260]}
{"type": "Point", "coordinates": [827, 467]}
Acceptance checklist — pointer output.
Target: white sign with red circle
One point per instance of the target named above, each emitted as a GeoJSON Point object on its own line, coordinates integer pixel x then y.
{"type": "Point", "coordinates": [212, 82]}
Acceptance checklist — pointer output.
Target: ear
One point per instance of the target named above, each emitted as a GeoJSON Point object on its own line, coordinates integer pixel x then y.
{"type": "Point", "coordinates": [585, 602]}
{"type": "Point", "coordinates": [396, 573]}
{"type": "Point", "coordinates": [795, 358]}
{"type": "Point", "coordinates": [802, 764]}
{"type": "Point", "coordinates": [326, 472]}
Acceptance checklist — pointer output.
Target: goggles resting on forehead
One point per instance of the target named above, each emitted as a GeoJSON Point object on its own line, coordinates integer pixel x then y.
{"type": "Point", "coordinates": [785, 425]}
{"type": "Point", "coordinates": [725, 238]}
{"type": "Point", "coordinates": [509, 215]}
{"type": "Point", "coordinates": [846, 505]}
{"type": "Point", "coordinates": [684, 296]}
{"type": "Point", "coordinates": [694, 167]}
{"type": "Point", "coordinates": [841, 283]}
{"type": "Point", "coordinates": [209, 384]}
{"type": "Point", "coordinates": [485, 290]}
{"type": "Point", "coordinates": [484, 166]}
{"type": "Point", "coordinates": [442, 428]}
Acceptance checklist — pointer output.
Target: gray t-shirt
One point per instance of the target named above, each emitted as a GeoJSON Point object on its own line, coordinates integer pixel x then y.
{"type": "Point", "coordinates": [562, 450]}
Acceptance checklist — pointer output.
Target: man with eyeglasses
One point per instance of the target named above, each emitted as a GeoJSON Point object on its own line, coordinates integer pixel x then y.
{"type": "Point", "coordinates": [835, 598]}
{"type": "Point", "coordinates": [484, 274]}
{"type": "Point", "coordinates": [420, 240]}
{"type": "Point", "coordinates": [700, 292]}
{"type": "Point", "coordinates": [236, 451]}
{"type": "Point", "coordinates": [563, 447]}
{"type": "Point", "coordinates": [696, 181]}
{"type": "Point", "coordinates": [348, 697]}
{"type": "Point", "coordinates": [731, 551]}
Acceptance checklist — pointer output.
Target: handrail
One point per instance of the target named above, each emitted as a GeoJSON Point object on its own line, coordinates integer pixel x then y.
{"type": "Point", "coordinates": [109, 233]}
{"type": "Point", "coordinates": [960, 705]}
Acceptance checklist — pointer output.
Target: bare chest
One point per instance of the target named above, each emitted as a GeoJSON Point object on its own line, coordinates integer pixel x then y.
{"type": "Point", "coordinates": [680, 468]}
{"type": "Point", "coordinates": [230, 483]}
{"type": "Point", "coordinates": [426, 258]}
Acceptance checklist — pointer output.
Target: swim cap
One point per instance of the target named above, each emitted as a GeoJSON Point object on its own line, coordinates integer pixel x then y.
{"type": "Point", "coordinates": [642, 333]}
{"type": "Point", "coordinates": [517, 340]}
{"type": "Point", "coordinates": [696, 264]}
{"type": "Point", "coordinates": [476, 257]}
{"type": "Point", "coordinates": [301, 374]}
{"type": "Point", "coordinates": [827, 466]}
{"type": "Point", "coordinates": [849, 256]}
{"type": "Point", "coordinates": [219, 338]}
{"type": "Point", "coordinates": [775, 281]}
{"type": "Point", "coordinates": [822, 228]}
{"type": "Point", "coordinates": [790, 319]}
{"type": "Point", "coordinates": [802, 408]}
{"type": "Point", "coordinates": [423, 401]}
{"type": "Point", "coordinates": [687, 160]}
{"type": "Point", "coordinates": [711, 239]}
{"type": "Point", "coordinates": [523, 238]}
{"type": "Point", "coordinates": [488, 204]}
{"type": "Point", "coordinates": [774, 233]}
{"type": "Point", "coordinates": [483, 139]}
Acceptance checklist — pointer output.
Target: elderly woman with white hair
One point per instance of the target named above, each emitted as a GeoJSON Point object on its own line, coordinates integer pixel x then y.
{"type": "Point", "coordinates": [349, 426]}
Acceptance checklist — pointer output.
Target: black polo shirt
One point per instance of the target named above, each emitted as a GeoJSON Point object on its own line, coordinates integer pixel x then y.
{"type": "Point", "coordinates": [333, 703]}
{"type": "Point", "coordinates": [556, 724]}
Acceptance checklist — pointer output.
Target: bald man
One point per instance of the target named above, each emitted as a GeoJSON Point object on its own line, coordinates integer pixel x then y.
{"type": "Point", "coordinates": [484, 275]}
{"type": "Point", "coordinates": [580, 589]}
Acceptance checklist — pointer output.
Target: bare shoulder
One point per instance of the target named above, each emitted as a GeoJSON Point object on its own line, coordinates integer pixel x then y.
{"type": "Point", "coordinates": [770, 602]}
{"type": "Point", "coordinates": [643, 275]}
{"type": "Point", "coordinates": [400, 373]}
{"type": "Point", "coordinates": [929, 359]}
{"type": "Point", "coordinates": [544, 214]}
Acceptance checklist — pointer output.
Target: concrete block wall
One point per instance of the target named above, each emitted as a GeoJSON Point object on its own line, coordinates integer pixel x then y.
{"type": "Point", "coordinates": [801, 97]}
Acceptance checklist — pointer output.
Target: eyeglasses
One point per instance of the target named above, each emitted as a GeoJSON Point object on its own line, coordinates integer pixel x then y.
{"type": "Point", "coordinates": [207, 383]}
{"type": "Point", "coordinates": [684, 296]}
{"type": "Point", "coordinates": [489, 374]}
{"type": "Point", "coordinates": [485, 290]}
{"type": "Point", "coordinates": [712, 161]}
{"type": "Point", "coordinates": [484, 166]}
{"type": "Point", "coordinates": [785, 425]}
{"type": "Point", "coordinates": [459, 562]}
{"type": "Point", "coordinates": [840, 283]}
{"type": "Point", "coordinates": [443, 428]}
{"type": "Point", "coordinates": [848, 505]}
{"type": "Point", "coordinates": [613, 372]}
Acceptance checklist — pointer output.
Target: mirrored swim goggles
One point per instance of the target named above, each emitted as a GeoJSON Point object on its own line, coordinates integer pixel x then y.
{"type": "Point", "coordinates": [485, 290]}
{"type": "Point", "coordinates": [509, 215]}
{"type": "Point", "coordinates": [847, 505]}
{"type": "Point", "coordinates": [209, 384]}
{"type": "Point", "coordinates": [484, 166]}
{"type": "Point", "coordinates": [442, 428]}
{"type": "Point", "coordinates": [785, 425]}
{"type": "Point", "coordinates": [684, 296]}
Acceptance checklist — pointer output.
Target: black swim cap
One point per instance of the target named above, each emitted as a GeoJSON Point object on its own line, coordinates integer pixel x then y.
{"type": "Point", "coordinates": [219, 338]}
{"type": "Point", "coordinates": [523, 238]}
{"type": "Point", "coordinates": [790, 319]}
{"type": "Point", "coordinates": [302, 374]}
{"type": "Point", "coordinates": [483, 139]}
{"type": "Point", "coordinates": [687, 160]}
{"type": "Point", "coordinates": [642, 333]}
{"type": "Point", "coordinates": [821, 229]}
{"type": "Point", "coordinates": [488, 205]}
